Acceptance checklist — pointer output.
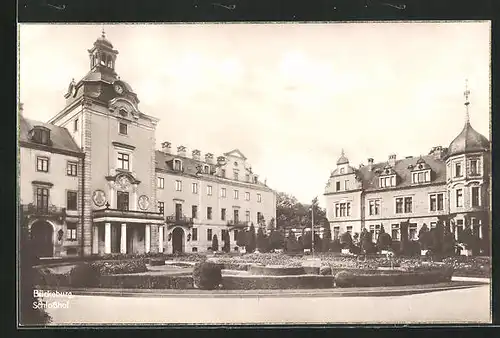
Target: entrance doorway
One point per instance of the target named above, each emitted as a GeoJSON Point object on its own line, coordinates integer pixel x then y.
{"type": "Point", "coordinates": [177, 240]}
{"type": "Point", "coordinates": [41, 237]}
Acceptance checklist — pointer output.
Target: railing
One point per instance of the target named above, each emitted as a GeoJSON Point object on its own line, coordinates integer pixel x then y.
{"type": "Point", "coordinates": [179, 220]}
{"type": "Point", "coordinates": [127, 213]}
{"type": "Point", "coordinates": [46, 211]}
{"type": "Point", "coordinates": [237, 223]}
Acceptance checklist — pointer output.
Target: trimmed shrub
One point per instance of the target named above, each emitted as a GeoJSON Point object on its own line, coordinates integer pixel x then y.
{"type": "Point", "coordinates": [311, 270]}
{"type": "Point", "coordinates": [306, 240]}
{"type": "Point", "coordinates": [250, 240]}
{"type": "Point", "coordinates": [325, 271]}
{"type": "Point", "coordinates": [344, 279]}
{"type": "Point", "coordinates": [291, 243]}
{"type": "Point", "coordinates": [241, 238]}
{"type": "Point", "coordinates": [85, 275]}
{"type": "Point", "coordinates": [277, 282]}
{"type": "Point", "coordinates": [276, 240]}
{"type": "Point", "coordinates": [335, 246]}
{"type": "Point", "coordinates": [121, 267]}
{"type": "Point", "coordinates": [327, 239]}
{"type": "Point", "coordinates": [226, 237]}
{"type": "Point", "coordinates": [207, 275]}
{"type": "Point", "coordinates": [346, 240]}
{"type": "Point", "coordinates": [384, 240]}
{"type": "Point", "coordinates": [215, 243]}
{"type": "Point", "coordinates": [156, 261]}
{"type": "Point", "coordinates": [262, 241]}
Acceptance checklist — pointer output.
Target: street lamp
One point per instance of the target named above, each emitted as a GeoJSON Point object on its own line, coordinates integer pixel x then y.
{"type": "Point", "coordinates": [312, 227]}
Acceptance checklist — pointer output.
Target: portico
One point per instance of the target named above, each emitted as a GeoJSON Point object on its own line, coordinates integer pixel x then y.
{"type": "Point", "coordinates": [117, 231]}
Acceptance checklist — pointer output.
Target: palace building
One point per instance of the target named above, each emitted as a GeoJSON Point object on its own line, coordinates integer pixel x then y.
{"type": "Point", "coordinates": [92, 181]}
{"type": "Point", "coordinates": [451, 184]}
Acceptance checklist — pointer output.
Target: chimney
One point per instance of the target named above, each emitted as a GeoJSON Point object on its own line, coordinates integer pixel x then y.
{"type": "Point", "coordinates": [392, 160]}
{"type": "Point", "coordinates": [196, 154]}
{"type": "Point", "coordinates": [221, 160]}
{"type": "Point", "coordinates": [181, 151]}
{"type": "Point", "coordinates": [437, 152]}
{"type": "Point", "coordinates": [166, 147]}
{"type": "Point", "coordinates": [209, 158]}
{"type": "Point", "coordinates": [370, 164]}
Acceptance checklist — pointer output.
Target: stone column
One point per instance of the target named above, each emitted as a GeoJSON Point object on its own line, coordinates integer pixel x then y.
{"type": "Point", "coordinates": [147, 237]}
{"type": "Point", "coordinates": [160, 238]}
{"type": "Point", "coordinates": [107, 238]}
{"type": "Point", "coordinates": [456, 232]}
{"type": "Point", "coordinates": [133, 207]}
{"type": "Point", "coordinates": [480, 229]}
{"type": "Point", "coordinates": [95, 239]}
{"type": "Point", "coordinates": [123, 239]}
{"type": "Point", "coordinates": [112, 198]}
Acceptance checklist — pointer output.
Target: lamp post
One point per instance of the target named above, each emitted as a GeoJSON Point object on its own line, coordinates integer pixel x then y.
{"type": "Point", "coordinates": [312, 230]}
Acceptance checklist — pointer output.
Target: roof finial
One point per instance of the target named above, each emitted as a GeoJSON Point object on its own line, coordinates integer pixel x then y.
{"type": "Point", "coordinates": [342, 152]}
{"type": "Point", "coordinates": [103, 32]}
{"type": "Point", "coordinates": [466, 94]}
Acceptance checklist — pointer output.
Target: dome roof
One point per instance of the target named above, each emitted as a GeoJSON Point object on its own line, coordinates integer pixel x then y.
{"type": "Point", "coordinates": [468, 141]}
{"type": "Point", "coordinates": [103, 42]}
{"type": "Point", "coordinates": [342, 159]}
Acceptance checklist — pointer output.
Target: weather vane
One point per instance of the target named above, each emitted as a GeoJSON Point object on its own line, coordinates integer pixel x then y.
{"type": "Point", "coordinates": [466, 94]}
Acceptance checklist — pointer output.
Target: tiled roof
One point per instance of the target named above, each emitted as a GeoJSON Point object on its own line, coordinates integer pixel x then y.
{"type": "Point", "coordinates": [370, 178]}
{"type": "Point", "coordinates": [165, 162]}
{"type": "Point", "coordinates": [60, 137]}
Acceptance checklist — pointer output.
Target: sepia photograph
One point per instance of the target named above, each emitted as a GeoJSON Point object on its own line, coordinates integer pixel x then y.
{"type": "Point", "coordinates": [254, 173]}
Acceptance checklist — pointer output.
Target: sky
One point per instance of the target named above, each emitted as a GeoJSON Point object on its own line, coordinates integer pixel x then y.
{"type": "Point", "coordinates": [289, 96]}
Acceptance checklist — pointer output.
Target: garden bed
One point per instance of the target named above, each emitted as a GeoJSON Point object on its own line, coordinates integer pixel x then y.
{"type": "Point", "coordinates": [277, 282]}
{"type": "Point", "coordinates": [276, 270]}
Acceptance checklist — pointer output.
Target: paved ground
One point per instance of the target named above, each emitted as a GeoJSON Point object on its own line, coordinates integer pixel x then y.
{"type": "Point", "coordinates": [471, 305]}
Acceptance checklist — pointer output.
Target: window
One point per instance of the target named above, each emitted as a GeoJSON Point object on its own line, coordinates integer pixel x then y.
{"type": "Point", "coordinates": [342, 209]}
{"type": "Point", "coordinates": [194, 188]}
{"type": "Point", "coordinates": [349, 229]}
{"type": "Point", "coordinates": [336, 233]}
{"type": "Point", "coordinates": [247, 177]}
{"type": "Point", "coordinates": [209, 234]}
{"type": "Point", "coordinates": [408, 204]}
{"type": "Point", "coordinates": [341, 170]}
{"type": "Point", "coordinates": [177, 165]}
{"type": "Point", "coordinates": [178, 185]}
{"type": "Point", "coordinates": [395, 231]}
{"type": "Point", "coordinates": [223, 192]}
{"type": "Point", "coordinates": [433, 225]}
{"type": "Point", "coordinates": [235, 235]}
{"type": "Point", "coordinates": [194, 249]}
{"type": "Point", "coordinates": [458, 169]}
{"type": "Point", "coordinates": [194, 235]}
{"type": "Point", "coordinates": [475, 196]}
{"type": "Point", "coordinates": [474, 167]}
{"type": "Point", "coordinates": [123, 161]}
{"type": "Point", "coordinates": [223, 214]}
{"type": "Point", "coordinates": [399, 205]}
{"type": "Point", "coordinates": [71, 228]}
{"type": "Point", "coordinates": [374, 207]}
{"type": "Point", "coordinates": [194, 211]}
{"type": "Point", "coordinates": [71, 198]}
{"type": "Point", "coordinates": [123, 128]}
{"type": "Point", "coordinates": [421, 177]}
{"type": "Point", "coordinates": [209, 190]}
{"type": "Point", "coordinates": [247, 196]}
{"type": "Point", "coordinates": [235, 175]}
{"type": "Point", "coordinates": [178, 211]}
{"type": "Point", "coordinates": [42, 199]}
{"type": "Point", "coordinates": [40, 135]}
{"type": "Point", "coordinates": [161, 207]}
{"type": "Point", "coordinates": [436, 202]}
{"type": "Point", "coordinates": [42, 164]}
{"type": "Point", "coordinates": [337, 186]}
{"type": "Point", "coordinates": [209, 212]}
{"type": "Point", "coordinates": [247, 216]}
{"type": "Point", "coordinates": [236, 194]}
{"type": "Point", "coordinates": [413, 231]}
{"type": "Point", "coordinates": [75, 125]}
{"type": "Point", "coordinates": [160, 182]}
{"type": "Point", "coordinates": [387, 181]}
{"type": "Point", "coordinates": [346, 184]}
{"type": "Point", "coordinates": [236, 215]}
{"type": "Point", "coordinates": [122, 200]}
{"type": "Point", "coordinates": [460, 198]}
{"type": "Point", "coordinates": [71, 168]}
{"type": "Point", "coordinates": [259, 198]}
{"type": "Point", "coordinates": [223, 172]}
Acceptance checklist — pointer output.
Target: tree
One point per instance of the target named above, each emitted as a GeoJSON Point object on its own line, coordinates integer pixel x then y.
{"type": "Point", "coordinates": [424, 237]}
{"type": "Point", "coordinates": [271, 225]}
{"type": "Point", "coordinates": [467, 238]}
{"type": "Point", "coordinates": [215, 243]}
{"type": "Point", "coordinates": [327, 238]}
{"type": "Point", "coordinates": [241, 238]}
{"type": "Point", "coordinates": [346, 240]}
{"type": "Point", "coordinates": [366, 241]}
{"type": "Point", "coordinates": [448, 242]}
{"type": "Point", "coordinates": [276, 240]}
{"type": "Point", "coordinates": [404, 247]}
{"type": "Point", "coordinates": [250, 242]}
{"type": "Point", "coordinates": [291, 243]}
{"type": "Point", "coordinates": [262, 242]}
{"type": "Point", "coordinates": [384, 240]}
{"type": "Point", "coordinates": [289, 212]}
{"type": "Point", "coordinates": [227, 241]}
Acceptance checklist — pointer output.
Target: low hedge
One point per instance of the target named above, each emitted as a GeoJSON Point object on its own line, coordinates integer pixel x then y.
{"type": "Point", "coordinates": [146, 282]}
{"type": "Point", "coordinates": [364, 279]}
{"type": "Point", "coordinates": [156, 261]}
{"type": "Point", "coordinates": [207, 275]}
{"type": "Point", "coordinates": [121, 267]}
{"type": "Point", "coordinates": [276, 270]}
{"type": "Point", "coordinates": [277, 282]}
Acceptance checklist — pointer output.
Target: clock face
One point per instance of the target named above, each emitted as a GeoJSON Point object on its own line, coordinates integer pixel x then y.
{"type": "Point", "coordinates": [118, 88]}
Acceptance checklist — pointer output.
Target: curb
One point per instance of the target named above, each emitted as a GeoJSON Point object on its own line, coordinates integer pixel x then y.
{"type": "Point", "coordinates": [334, 292]}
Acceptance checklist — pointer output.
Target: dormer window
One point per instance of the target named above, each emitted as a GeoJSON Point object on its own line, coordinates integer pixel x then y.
{"type": "Point", "coordinates": [206, 169]}
{"type": "Point", "coordinates": [177, 165]}
{"type": "Point", "coordinates": [341, 170]}
{"type": "Point", "coordinates": [40, 135]}
{"type": "Point", "coordinates": [387, 181]}
{"type": "Point", "coordinates": [421, 177]}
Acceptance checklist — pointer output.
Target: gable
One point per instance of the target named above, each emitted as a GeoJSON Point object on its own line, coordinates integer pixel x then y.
{"type": "Point", "coordinates": [236, 153]}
